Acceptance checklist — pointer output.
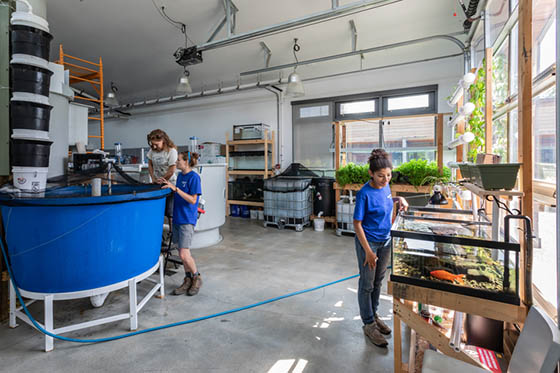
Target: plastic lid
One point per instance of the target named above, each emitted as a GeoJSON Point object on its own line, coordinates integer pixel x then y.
{"type": "Point", "coordinates": [29, 19]}
{"type": "Point", "coordinates": [27, 59]}
{"type": "Point", "coordinates": [26, 134]}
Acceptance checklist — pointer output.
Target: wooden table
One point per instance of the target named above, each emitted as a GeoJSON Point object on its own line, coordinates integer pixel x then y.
{"type": "Point", "coordinates": [402, 311]}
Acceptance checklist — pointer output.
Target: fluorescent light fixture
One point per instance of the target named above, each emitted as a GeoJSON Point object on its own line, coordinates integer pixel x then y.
{"type": "Point", "coordinates": [466, 81]}
{"type": "Point", "coordinates": [465, 138]}
{"type": "Point", "coordinates": [464, 111]}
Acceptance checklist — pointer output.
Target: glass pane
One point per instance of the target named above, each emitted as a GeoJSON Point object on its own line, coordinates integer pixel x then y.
{"type": "Point", "coordinates": [499, 137]}
{"type": "Point", "coordinates": [314, 111]}
{"type": "Point", "coordinates": [513, 136]}
{"type": "Point", "coordinates": [361, 138]}
{"type": "Point", "coordinates": [357, 107]}
{"type": "Point", "coordinates": [410, 138]}
{"type": "Point", "coordinates": [478, 42]}
{"type": "Point", "coordinates": [544, 34]}
{"type": "Point", "coordinates": [408, 102]}
{"type": "Point", "coordinates": [544, 257]}
{"type": "Point", "coordinates": [513, 58]}
{"type": "Point", "coordinates": [544, 136]}
{"type": "Point", "coordinates": [498, 12]}
{"type": "Point", "coordinates": [500, 74]}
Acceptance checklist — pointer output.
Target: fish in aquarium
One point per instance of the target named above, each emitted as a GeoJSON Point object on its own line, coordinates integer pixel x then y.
{"type": "Point", "coordinates": [444, 275]}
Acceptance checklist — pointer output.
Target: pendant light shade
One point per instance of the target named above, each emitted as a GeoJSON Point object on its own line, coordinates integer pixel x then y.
{"type": "Point", "coordinates": [111, 98]}
{"type": "Point", "coordinates": [295, 86]}
{"type": "Point", "coordinates": [184, 86]}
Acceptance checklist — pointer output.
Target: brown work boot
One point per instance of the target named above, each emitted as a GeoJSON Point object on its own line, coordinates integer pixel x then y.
{"type": "Point", "coordinates": [374, 335]}
{"type": "Point", "coordinates": [381, 326]}
{"type": "Point", "coordinates": [184, 287]}
{"type": "Point", "coordinates": [195, 287]}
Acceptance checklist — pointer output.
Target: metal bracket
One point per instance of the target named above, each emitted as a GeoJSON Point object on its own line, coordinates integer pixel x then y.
{"type": "Point", "coordinates": [231, 10]}
{"type": "Point", "coordinates": [335, 4]}
{"type": "Point", "coordinates": [354, 35]}
{"type": "Point", "coordinates": [267, 53]}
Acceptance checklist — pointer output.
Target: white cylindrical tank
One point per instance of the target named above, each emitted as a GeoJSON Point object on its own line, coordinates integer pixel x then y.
{"type": "Point", "coordinates": [207, 229]}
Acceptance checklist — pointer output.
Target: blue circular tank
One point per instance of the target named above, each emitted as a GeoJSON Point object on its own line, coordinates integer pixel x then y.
{"type": "Point", "coordinates": [69, 241]}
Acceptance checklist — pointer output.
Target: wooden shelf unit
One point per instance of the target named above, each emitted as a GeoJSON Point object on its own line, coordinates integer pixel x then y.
{"type": "Point", "coordinates": [402, 311]}
{"type": "Point", "coordinates": [266, 172]}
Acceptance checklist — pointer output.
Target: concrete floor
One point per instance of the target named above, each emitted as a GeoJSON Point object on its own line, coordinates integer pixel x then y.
{"type": "Point", "coordinates": [318, 331]}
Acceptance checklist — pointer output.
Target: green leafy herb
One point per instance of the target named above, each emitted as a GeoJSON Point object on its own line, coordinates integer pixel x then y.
{"type": "Point", "coordinates": [421, 172]}
{"type": "Point", "coordinates": [352, 174]}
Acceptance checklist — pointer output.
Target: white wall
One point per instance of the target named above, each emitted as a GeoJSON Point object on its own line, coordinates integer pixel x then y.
{"type": "Point", "coordinates": [210, 118]}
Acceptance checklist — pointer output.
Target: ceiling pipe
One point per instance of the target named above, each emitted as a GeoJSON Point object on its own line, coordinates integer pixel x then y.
{"type": "Point", "coordinates": [456, 41]}
{"type": "Point", "coordinates": [316, 17]}
{"type": "Point", "coordinates": [268, 83]}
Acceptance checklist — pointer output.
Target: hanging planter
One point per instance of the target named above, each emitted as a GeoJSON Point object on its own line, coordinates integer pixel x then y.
{"type": "Point", "coordinates": [495, 176]}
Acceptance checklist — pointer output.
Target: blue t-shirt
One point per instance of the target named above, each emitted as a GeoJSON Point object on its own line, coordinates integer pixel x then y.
{"type": "Point", "coordinates": [374, 208]}
{"type": "Point", "coordinates": [184, 212]}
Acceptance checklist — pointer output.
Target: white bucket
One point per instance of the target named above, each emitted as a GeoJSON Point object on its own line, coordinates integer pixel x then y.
{"type": "Point", "coordinates": [31, 179]}
{"type": "Point", "coordinates": [260, 215]}
{"type": "Point", "coordinates": [26, 134]}
{"type": "Point", "coordinates": [254, 214]}
{"type": "Point", "coordinates": [319, 224]}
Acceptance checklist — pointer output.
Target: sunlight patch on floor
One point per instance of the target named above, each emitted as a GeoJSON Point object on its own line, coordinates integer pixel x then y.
{"type": "Point", "coordinates": [288, 366]}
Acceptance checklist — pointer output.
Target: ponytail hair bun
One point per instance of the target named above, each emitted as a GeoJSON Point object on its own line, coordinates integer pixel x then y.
{"type": "Point", "coordinates": [379, 159]}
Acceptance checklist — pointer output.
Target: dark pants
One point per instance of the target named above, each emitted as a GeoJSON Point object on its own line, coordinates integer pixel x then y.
{"type": "Point", "coordinates": [369, 285]}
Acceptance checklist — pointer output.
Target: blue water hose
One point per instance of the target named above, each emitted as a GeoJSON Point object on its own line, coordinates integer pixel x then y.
{"type": "Point", "coordinates": [126, 335]}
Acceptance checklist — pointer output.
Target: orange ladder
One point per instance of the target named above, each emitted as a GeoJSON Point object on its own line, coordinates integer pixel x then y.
{"type": "Point", "coordinates": [91, 73]}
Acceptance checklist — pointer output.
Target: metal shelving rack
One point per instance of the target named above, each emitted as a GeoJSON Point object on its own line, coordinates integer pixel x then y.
{"type": "Point", "coordinates": [266, 172]}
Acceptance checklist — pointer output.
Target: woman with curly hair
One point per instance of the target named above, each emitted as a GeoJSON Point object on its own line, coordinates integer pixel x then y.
{"type": "Point", "coordinates": [372, 224]}
{"type": "Point", "coordinates": [162, 159]}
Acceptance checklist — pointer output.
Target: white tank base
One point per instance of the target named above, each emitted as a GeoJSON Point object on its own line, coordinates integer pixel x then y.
{"type": "Point", "coordinates": [206, 238]}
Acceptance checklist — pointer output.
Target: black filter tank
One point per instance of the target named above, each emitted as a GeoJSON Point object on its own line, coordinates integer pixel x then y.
{"type": "Point", "coordinates": [324, 196]}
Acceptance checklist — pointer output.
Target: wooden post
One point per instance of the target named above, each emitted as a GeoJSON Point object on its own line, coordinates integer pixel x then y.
{"type": "Point", "coordinates": [397, 344]}
{"type": "Point", "coordinates": [488, 108]}
{"type": "Point", "coordinates": [525, 129]}
{"type": "Point", "coordinates": [439, 137]}
{"type": "Point", "coordinates": [265, 154]}
{"type": "Point", "coordinates": [227, 174]}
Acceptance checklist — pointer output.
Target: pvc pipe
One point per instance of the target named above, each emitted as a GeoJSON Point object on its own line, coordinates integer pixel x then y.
{"type": "Point", "coordinates": [465, 138]}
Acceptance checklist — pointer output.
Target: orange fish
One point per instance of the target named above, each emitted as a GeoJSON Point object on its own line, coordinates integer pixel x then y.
{"type": "Point", "coordinates": [444, 275]}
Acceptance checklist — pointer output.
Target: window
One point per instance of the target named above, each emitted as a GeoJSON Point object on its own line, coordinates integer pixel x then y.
{"type": "Point", "coordinates": [412, 104]}
{"type": "Point", "coordinates": [358, 107]}
{"type": "Point", "coordinates": [408, 102]}
{"type": "Point", "coordinates": [478, 43]}
{"type": "Point", "coordinates": [499, 137]}
{"type": "Point", "coordinates": [312, 135]}
{"type": "Point", "coordinates": [544, 136]}
{"type": "Point", "coordinates": [314, 111]}
{"type": "Point", "coordinates": [500, 76]}
{"type": "Point", "coordinates": [544, 255]}
{"type": "Point", "coordinates": [544, 34]}
{"type": "Point", "coordinates": [410, 138]}
{"type": "Point", "coordinates": [361, 138]}
{"type": "Point", "coordinates": [514, 39]}
{"type": "Point", "coordinates": [498, 13]}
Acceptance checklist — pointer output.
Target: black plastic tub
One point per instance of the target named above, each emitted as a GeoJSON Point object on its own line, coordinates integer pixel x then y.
{"type": "Point", "coordinates": [30, 153]}
{"type": "Point", "coordinates": [30, 115]}
{"type": "Point", "coordinates": [324, 199]}
{"type": "Point", "coordinates": [30, 40]}
{"type": "Point", "coordinates": [31, 79]}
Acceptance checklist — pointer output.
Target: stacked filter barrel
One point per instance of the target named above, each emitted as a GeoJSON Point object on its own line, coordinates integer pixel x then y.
{"type": "Point", "coordinates": [29, 104]}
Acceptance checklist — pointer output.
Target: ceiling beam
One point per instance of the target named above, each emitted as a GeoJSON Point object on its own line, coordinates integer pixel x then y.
{"type": "Point", "coordinates": [297, 22]}
{"type": "Point", "coordinates": [357, 52]}
{"type": "Point", "coordinates": [231, 9]}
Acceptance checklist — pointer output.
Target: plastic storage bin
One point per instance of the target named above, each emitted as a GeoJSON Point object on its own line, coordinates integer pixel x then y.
{"type": "Point", "coordinates": [250, 131]}
{"type": "Point", "coordinates": [345, 215]}
{"type": "Point", "coordinates": [287, 202]}
{"type": "Point", "coordinates": [249, 160]}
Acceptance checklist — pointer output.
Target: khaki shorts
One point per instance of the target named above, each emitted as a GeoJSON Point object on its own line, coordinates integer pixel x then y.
{"type": "Point", "coordinates": [182, 235]}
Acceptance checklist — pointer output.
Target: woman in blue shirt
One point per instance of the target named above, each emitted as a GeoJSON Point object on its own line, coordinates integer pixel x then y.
{"type": "Point", "coordinates": [185, 214]}
{"type": "Point", "coordinates": [372, 224]}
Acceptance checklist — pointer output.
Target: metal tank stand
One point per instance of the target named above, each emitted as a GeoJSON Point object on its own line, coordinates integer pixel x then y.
{"type": "Point", "coordinates": [48, 298]}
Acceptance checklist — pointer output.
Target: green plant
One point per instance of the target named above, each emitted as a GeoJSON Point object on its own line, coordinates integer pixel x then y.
{"type": "Point", "coordinates": [421, 172]}
{"type": "Point", "coordinates": [352, 174]}
{"type": "Point", "coordinates": [476, 123]}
